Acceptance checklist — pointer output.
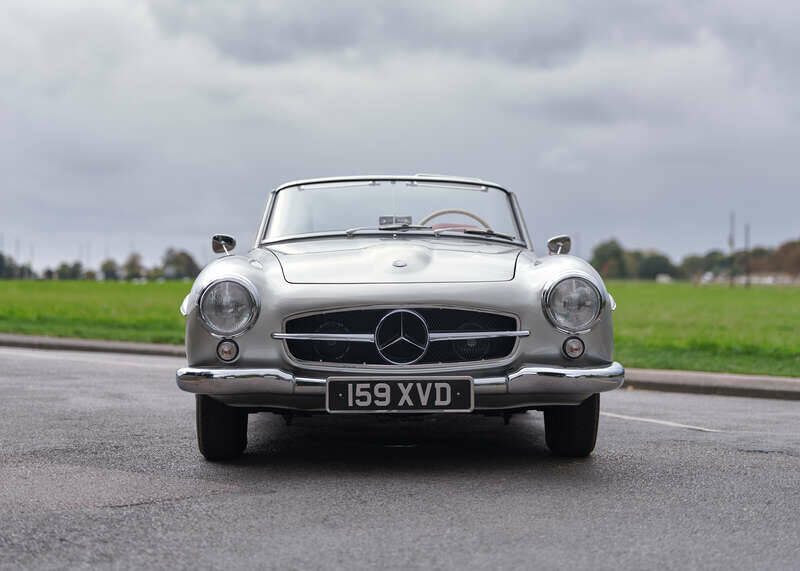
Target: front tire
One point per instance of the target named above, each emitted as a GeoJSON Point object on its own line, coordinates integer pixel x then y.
{"type": "Point", "coordinates": [221, 429]}
{"type": "Point", "coordinates": [572, 430]}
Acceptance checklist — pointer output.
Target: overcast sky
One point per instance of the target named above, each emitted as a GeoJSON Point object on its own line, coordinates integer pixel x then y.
{"type": "Point", "coordinates": [152, 124]}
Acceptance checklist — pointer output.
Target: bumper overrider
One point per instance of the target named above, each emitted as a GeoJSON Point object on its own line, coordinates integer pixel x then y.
{"type": "Point", "coordinates": [528, 387]}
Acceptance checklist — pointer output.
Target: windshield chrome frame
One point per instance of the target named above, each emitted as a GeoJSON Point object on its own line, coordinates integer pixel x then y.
{"type": "Point", "coordinates": [522, 240]}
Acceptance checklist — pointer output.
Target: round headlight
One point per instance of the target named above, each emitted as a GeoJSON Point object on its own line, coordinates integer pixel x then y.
{"type": "Point", "coordinates": [228, 307]}
{"type": "Point", "coordinates": [573, 304]}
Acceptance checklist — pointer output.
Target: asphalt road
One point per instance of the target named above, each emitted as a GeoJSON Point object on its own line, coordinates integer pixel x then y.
{"type": "Point", "coordinates": [98, 467]}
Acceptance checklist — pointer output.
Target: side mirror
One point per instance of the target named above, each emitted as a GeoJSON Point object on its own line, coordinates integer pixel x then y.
{"type": "Point", "coordinates": [559, 245]}
{"type": "Point", "coordinates": [222, 243]}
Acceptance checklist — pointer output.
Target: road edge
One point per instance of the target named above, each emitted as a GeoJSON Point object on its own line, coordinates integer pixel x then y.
{"type": "Point", "coordinates": [725, 384]}
{"type": "Point", "coordinates": [93, 345]}
{"type": "Point", "coordinates": [676, 381]}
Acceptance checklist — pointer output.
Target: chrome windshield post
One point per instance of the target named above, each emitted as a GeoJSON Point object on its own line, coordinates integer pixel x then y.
{"type": "Point", "coordinates": [520, 220]}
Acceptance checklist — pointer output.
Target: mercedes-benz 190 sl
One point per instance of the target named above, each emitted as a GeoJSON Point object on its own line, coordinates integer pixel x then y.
{"type": "Point", "coordinates": [400, 295]}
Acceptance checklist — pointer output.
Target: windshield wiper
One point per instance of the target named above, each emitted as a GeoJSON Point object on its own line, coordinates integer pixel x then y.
{"type": "Point", "coordinates": [405, 227]}
{"type": "Point", "coordinates": [387, 227]}
{"type": "Point", "coordinates": [478, 232]}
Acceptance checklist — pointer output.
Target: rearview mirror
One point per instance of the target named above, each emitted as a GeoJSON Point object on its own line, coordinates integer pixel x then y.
{"type": "Point", "coordinates": [559, 245]}
{"type": "Point", "coordinates": [223, 244]}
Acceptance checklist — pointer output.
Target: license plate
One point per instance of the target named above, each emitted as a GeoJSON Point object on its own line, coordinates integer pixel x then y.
{"type": "Point", "coordinates": [418, 394]}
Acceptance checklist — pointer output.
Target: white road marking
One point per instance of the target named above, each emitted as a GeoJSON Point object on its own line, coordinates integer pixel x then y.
{"type": "Point", "coordinates": [656, 421]}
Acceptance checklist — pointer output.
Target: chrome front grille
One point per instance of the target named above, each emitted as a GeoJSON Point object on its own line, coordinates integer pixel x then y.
{"type": "Point", "coordinates": [400, 336]}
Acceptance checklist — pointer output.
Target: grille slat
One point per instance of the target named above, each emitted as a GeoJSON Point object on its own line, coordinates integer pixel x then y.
{"type": "Point", "coordinates": [364, 321]}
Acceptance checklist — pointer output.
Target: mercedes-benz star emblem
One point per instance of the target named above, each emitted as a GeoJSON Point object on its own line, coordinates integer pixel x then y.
{"type": "Point", "coordinates": [402, 337]}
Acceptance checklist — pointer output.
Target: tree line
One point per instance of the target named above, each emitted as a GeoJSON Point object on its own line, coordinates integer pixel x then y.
{"type": "Point", "coordinates": [613, 261]}
{"type": "Point", "coordinates": [176, 265]}
{"type": "Point", "coordinates": [609, 258]}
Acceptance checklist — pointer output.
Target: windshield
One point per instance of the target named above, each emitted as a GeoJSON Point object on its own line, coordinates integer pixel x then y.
{"type": "Point", "coordinates": [370, 205]}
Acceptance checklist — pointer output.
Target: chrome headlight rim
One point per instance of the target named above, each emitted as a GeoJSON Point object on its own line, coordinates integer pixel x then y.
{"type": "Point", "coordinates": [255, 307]}
{"type": "Point", "coordinates": [548, 290]}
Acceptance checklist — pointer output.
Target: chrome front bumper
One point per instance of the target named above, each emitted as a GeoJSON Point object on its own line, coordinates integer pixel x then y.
{"type": "Point", "coordinates": [534, 385]}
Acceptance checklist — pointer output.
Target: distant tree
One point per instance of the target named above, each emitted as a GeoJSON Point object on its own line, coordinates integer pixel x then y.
{"type": "Point", "coordinates": [715, 262]}
{"type": "Point", "coordinates": [132, 268]}
{"type": "Point", "coordinates": [8, 268]}
{"type": "Point", "coordinates": [179, 264]}
{"type": "Point", "coordinates": [25, 272]}
{"type": "Point", "coordinates": [632, 259]}
{"type": "Point", "coordinates": [63, 271]}
{"type": "Point", "coordinates": [109, 270]}
{"type": "Point", "coordinates": [90, 275]}
{"type": "Point", "coordinates": [787, 258]}
{"type": "Point", "coordinates": [154, 273]}
{"type": "Point", "coordinates": [49, 274]}
{"type": "Point", "coordinates": [67, 271]}
{"type": "Point", "coordinates": [762, 260]}
{"type": "Point", "coordinates": [608, 258]}
{"type": "Point", "coordinates": [692, 266]}
{"type": "Point", "coordinates": [655, 264]}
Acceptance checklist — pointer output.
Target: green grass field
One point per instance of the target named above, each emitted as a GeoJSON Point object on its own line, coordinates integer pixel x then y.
{"type": "Point", "coordinates": [94, 310]}
{"type": "Point", "coordinates": [665, 326]}
{"type": "Point", "coordinates": [708, 328]}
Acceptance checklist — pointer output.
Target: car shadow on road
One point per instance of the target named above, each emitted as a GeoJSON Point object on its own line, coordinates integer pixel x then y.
{"type": "Point", "coordinates": [436, 444]}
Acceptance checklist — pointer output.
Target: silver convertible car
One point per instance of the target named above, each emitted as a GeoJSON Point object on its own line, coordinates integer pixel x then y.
{"type": "Point", "coordinates": [400, 295]}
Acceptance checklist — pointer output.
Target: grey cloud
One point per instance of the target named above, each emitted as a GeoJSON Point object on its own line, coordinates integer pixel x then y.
{"type": "Point", "coordinates": [522, 32]}
{"type": "Point", "coordinates": [158, 124]}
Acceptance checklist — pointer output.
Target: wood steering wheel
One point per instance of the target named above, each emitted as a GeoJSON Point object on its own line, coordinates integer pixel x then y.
{"type": "Point", "coordinates": [438, 213]}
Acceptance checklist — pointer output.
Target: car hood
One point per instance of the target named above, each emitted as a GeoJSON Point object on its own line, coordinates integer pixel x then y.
{"type": "Point", "coordinates": [361, 260]}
